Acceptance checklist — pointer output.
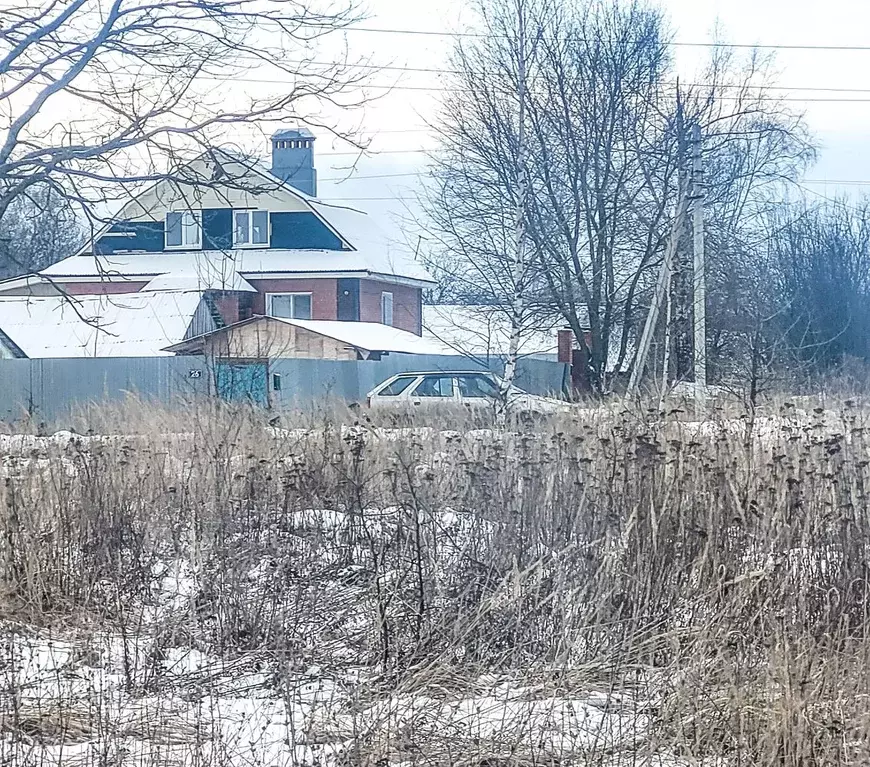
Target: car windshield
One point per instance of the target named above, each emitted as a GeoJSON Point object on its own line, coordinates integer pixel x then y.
{"type": "Point", "coordinates": [395, 388]}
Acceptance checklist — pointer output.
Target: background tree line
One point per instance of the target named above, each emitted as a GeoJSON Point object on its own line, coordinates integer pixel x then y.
{"type": "Point", "coordinates": [605, 162]}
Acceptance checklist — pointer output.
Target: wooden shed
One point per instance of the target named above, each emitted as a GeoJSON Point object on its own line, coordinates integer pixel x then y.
{"type": "Point", "coordinates": [264, 337]}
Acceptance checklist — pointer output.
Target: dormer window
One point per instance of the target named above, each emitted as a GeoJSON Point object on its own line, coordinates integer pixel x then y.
{"type": "Point", "coordinates": [251, 228]}
{"type": "Point", "coordinates": [183, 230]}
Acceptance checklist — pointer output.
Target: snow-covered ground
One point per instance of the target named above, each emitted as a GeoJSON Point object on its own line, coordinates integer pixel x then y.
{"type": "Point", "coordinates": [143, 697]}
{"type": "Point", "coordinates": [102, 699]}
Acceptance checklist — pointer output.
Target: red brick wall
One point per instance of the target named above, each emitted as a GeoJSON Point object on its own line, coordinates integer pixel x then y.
{"type": "Point", "coordinates": [324, 295]}
{"type": "Point", "coordinates": [406, 304]}
{"type": "Point", "coordinates": [100, 288]}
{"type": "Point", "coordinates": [227, 305]}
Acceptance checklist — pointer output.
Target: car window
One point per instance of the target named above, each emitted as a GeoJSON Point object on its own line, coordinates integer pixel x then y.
{"type": "Point", "coordinates": [435, 386]}
{"type": "Point", "coordinates": [477, 386]}
{"type": "Point", "coordinates": [397, 387]}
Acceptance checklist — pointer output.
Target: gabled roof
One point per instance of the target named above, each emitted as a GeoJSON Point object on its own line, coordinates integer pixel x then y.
{"type": "Point", "coordinates": [371, 253]}
{"type": "Point", "coordinates": [128, 325]}
{"type": "Point", "coordinates": [365, 336]}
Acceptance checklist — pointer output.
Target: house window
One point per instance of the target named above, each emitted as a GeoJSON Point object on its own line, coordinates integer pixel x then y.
{"type": "Point", "coordinates": [387, 308]}
{"type": "Point", "coordinates": [294, 306]}
{"type": "Point", "coordinates": [183, 230]}
{"type": "Point", "coordinates": [251, 228]}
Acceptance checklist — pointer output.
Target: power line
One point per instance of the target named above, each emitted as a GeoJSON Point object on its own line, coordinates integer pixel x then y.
{"type": "Point", "coordinates": [675, 43]}
{"type": "Point", "coordinates": [447, 89]}
{"type": "Point", "coordinates": [483, 73]}
{"type": "Point", "coordinates": [842, 182]}
{"type": "Point", "coordinates": [379, 175]}
{"type": "Point", "coordinates": [360, 152]}
{"type": "Point", "coordinates": [391, 198]}
{"type": "Point", "coordinates": [361, 177]}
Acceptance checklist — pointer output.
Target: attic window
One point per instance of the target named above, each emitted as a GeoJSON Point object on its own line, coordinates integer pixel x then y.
{"type": "Point", "coordinates": [251, 228]}
{"type": "Point", "coordinates": [183, 230]}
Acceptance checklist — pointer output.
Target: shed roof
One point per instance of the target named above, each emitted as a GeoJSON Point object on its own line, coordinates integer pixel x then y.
{"type": "Point", "coordinates": [365, 336]}
{"type": "Point", "coordinates": [128, 325]}
{"type": "Point", "coordinates": [372, 336]}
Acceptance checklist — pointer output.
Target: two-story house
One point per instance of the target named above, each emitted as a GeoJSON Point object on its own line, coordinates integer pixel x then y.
{"type": "Point", "coordinates": [263, 244]}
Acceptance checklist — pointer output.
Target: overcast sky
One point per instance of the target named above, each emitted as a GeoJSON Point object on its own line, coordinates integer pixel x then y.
{"type": "Point", "coordinates": [839, 119]}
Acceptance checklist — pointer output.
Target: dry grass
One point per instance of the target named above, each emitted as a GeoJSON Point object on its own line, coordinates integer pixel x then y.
{"type": "Point", "coordinates": [609, 589]}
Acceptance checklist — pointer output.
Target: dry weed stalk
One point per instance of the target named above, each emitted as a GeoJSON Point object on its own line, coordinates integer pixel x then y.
{"type": "Point", "coordinates": [646, 589]}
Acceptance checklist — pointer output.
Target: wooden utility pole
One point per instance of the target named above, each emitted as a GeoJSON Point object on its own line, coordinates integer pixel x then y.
{"type": "Point", "coordinates": [663, 286]}
{"type": "Point", "coordinates": [699, 293]}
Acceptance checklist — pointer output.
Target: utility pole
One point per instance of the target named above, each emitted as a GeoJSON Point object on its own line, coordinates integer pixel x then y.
{"type": "Point", "coordinates": [663, 286]}
{"type": "Point", "coordinates": [699, 293]}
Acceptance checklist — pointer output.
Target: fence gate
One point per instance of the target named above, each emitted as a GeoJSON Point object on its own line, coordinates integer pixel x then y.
{"type": "Point", "coordinates": [240, 381]}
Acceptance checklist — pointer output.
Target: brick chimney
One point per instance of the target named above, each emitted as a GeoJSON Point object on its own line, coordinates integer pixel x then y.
{"type": "Point", "coordinates": [293, 159]}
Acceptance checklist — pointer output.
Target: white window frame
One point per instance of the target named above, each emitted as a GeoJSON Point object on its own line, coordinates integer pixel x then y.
{"type": "Point", "coordinates": [293, 295]}
{"type": "Point", "coordinates": [195, 217]}
{"type": "Point", "coordinates": [387, 308]}
{"type": "Point", "coordinates": [250, 214]}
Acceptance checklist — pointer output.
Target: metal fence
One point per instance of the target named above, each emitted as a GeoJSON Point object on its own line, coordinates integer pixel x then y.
{"type": "Point", "coordinates": [49, 389]}
{"type": "Point", "coordinates": [305, 381]}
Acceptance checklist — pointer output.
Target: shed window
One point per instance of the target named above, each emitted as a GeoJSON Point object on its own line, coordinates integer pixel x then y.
{"type": "Point", "coordinates": [183, 230]}
{"type": "Point", "coordinates": [295, 306]}
{"type": "Point", "coordinates": [387, 308]}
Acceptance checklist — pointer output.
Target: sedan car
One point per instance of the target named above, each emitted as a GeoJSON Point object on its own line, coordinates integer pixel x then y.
{"type": "Point", "coordinates": [469, 389]}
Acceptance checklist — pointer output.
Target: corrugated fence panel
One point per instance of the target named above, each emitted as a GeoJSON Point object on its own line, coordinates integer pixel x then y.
{"type": "Point", "coordinates": [14, 389]}
{"type": "Point", "coordinates": [307, 381]}
{"type": "Point", "coordinates": [50, 388]}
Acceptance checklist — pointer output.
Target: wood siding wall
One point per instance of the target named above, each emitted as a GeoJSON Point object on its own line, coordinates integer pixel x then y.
{"type": "Point", "coordinates": [269, 339]}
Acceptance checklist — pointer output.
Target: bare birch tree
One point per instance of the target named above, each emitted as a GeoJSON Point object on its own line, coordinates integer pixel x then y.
{"type": "Point", "coordinates": [603, 161]}
{"type": "Point", "coordinates": [98, 95]}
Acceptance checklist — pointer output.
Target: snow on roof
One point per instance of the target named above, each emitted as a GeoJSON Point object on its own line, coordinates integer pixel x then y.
{"type": "Point", "coordinates": [205, 279]}
{"type": "Point", "coordinates": [484, 331]}
{"type": "Point", "coordinates": [293, 133]}
{"type": "Point", "coordinates": [128, 325]}
{"type": "Point", "coordinates": [365, 236]}
{"type": "Point", "coordinates": [220, 270]}
{"type": "Point", "coordinates": [372, 336]}
{"type": "Point", "coordinates": [372, 252]}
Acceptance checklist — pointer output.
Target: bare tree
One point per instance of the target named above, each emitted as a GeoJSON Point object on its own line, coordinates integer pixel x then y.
{"type": "Point", "coordinates": [821, 259]}
{"type": "Point", "coordinates": [604, 161]}
{"type": "Point", "coordinates": [39, 228]}
{"type": "Point", "coordinates": [98, 95]}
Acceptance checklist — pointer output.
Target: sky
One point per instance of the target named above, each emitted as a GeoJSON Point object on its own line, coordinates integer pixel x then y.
{"type": "Point", "coordinates": [395, 122]}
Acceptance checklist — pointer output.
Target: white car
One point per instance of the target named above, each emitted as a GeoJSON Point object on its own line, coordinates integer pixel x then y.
{"type": "Point", "coordinates": [464, 388]}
